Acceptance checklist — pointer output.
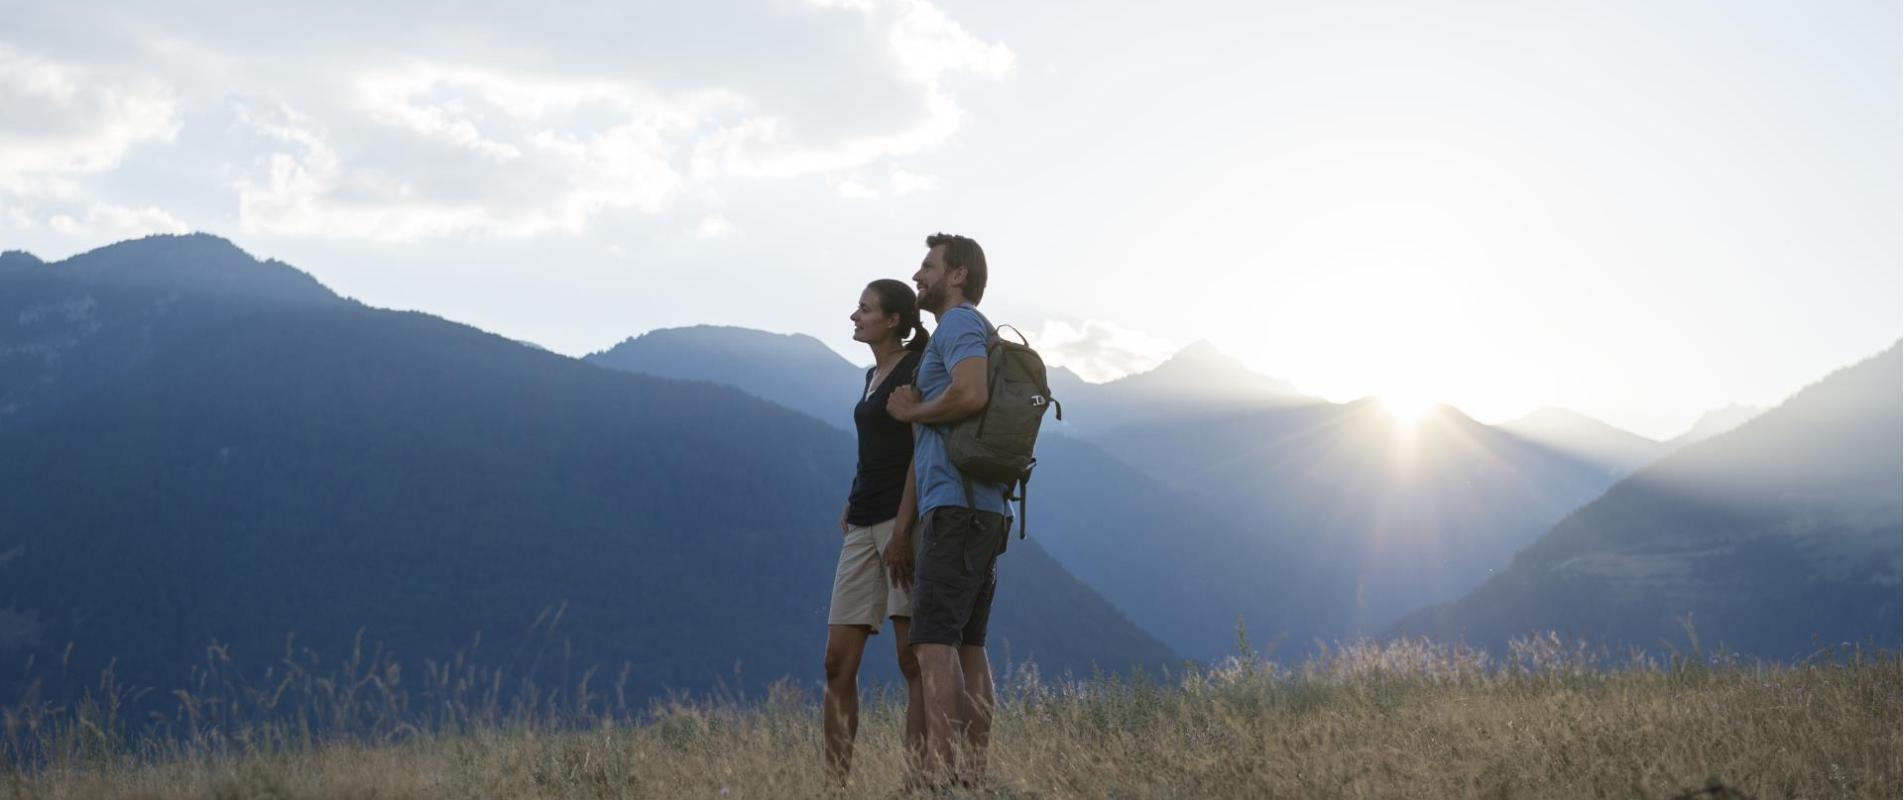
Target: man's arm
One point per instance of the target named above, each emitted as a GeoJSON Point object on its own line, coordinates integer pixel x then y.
{"type": "Point", "coordinates": [899, 550]}
{"type": "Point", "coordinates": [967, 395]}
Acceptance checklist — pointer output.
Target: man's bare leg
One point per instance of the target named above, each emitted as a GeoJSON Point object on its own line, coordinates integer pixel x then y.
{"type": "Point", "coordinates": [944, 682]}
{"type": "Point", "coordinates": [915, 696]}
{"type": "Point", "coordinates": [978, 701]}
{"type": "Point", "coordinates": [845, 644]}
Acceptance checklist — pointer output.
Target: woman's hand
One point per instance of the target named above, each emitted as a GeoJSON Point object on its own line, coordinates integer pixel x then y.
{"type": "Point", "coordinates": [899, 558]}
{"type": "Point", "coordinates": [843, 510]}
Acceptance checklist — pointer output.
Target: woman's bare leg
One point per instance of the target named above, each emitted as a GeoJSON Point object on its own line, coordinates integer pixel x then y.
{"type": "Point", "coordinates": [845, 645]}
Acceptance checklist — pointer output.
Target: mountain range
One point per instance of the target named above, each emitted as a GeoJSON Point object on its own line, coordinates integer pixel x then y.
{"type": "Point", "coordinates": [1715, 422]}
{"type": "Point", "coordinates": [1775, 539]}
{"type": "Point", "coordinates": [283, 462]}
{"type": "Point", "coordinates": [1587, 439]}
{"type": "Point", "coordinates": [1200, 380]}
{"type": "Point", "coordinates": [1302, 518]}
{"type": "Point", "coordinates": [199, 446]}
{"type": "Point", "coordinates": [1260, 496]}
{"type": "Point", "coordinates": [1619, 451]}
{"type": "Point", "coordinates": [807, 376]}
{"type": "Point", "coordinates": [1123, 532]}
{"type": "Point", "coordinates": [1377, 516]}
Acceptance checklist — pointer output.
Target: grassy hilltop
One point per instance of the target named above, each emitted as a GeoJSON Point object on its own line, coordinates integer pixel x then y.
{"type": "Point", "coordinates": [1361, 721]}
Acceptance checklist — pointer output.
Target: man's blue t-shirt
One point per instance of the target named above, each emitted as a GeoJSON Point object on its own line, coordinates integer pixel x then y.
{"type": "Point", "coordinates": [961, 335]}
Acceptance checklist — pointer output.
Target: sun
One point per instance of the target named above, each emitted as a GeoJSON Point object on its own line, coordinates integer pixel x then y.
{"type": "Point", "coordinates": [1407, 407]}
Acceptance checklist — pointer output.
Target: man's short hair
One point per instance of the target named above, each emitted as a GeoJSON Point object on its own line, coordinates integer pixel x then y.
{"type": "Point", "coordinates": [963, 252]}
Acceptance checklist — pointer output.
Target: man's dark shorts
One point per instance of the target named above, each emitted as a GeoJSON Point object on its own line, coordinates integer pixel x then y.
{"type": "Point", "coordinates": [956, 574]}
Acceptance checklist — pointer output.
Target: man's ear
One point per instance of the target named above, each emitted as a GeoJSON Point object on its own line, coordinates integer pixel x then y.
{"type": "Point", "coordinates": [955, 276]}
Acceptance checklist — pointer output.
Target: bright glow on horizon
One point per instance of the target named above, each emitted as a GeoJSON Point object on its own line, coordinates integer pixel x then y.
{"type": "Point", "coordinates": [1408, 408]}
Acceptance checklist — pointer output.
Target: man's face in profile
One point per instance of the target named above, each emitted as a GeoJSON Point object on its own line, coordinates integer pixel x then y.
{"type": "Point", "coordinates": [932, 280]}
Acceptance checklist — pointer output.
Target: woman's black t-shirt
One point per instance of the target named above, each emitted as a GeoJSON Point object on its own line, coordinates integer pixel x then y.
{"type": "Point", "coordinates": [885, 449]}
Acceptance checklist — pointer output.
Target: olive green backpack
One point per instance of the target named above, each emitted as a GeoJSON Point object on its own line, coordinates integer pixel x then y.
{"type": "Point", "coordinates": [995, 445]}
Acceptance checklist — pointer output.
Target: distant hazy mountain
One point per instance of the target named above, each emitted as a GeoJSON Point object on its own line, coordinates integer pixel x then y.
{"type": "Point", "coordinates": [1120, 531]}
{"type": "Point", "coordinates": [791, 370]}
{"type": "Point", "coordinates": [1774, 539]}
{"type": "Point", "coordinates": [1305, 518]}
{"type": "Point", "coordinates": [1620, 451]}
{"type": "Point", "coordinates": [1376, 517]}
{"type": "Point", "coordinates": [324, 468]}
{"type": "Point", "coordinates": [1198, 380]}
{"type": "Point", "coordinates": [1065, 383]}
{"type": "Point", "coordinates": [797, 371]}
{"type": "Point", "coordinates": [73, 323]}
{"type": "Point", "coordinates": [1185, 570]}
{"type": "Point", "coordinates": [1587, 439]}
{"type": "Point", "coordinates": [1713, 423]}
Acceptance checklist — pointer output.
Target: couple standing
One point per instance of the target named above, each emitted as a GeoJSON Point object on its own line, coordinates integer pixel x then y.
{"type": "Point", "coordinates": [918, 547]}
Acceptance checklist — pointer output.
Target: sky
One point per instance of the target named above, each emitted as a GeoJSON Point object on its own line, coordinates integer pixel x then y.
{"type": "Point", "coordinates": [1640, 211]}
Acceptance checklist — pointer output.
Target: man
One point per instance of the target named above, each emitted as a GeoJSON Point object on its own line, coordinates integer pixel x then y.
{"type": "Point", "coordinates": [961, 533]}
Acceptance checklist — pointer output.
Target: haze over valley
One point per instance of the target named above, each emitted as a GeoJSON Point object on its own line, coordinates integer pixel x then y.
{"type": "Point", "coordinates": [202, 447]}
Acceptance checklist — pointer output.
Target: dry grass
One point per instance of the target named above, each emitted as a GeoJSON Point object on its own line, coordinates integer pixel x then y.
{"type": "Point", "coordinates": [1362, 721]}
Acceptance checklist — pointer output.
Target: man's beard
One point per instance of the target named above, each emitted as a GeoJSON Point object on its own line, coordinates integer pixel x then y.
{"type": "Point", "coordinates": [931, 298]}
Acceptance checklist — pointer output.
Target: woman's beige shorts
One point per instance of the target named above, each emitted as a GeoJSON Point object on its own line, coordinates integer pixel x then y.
{"type": "Point", "coordinates": [862, 595]}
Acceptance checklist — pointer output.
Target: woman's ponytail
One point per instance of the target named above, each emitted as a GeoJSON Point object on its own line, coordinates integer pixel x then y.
{"type": "Point", "coordinates": [919, 338]}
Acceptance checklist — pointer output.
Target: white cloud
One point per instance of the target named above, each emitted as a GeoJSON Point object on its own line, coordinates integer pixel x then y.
{"type": "Point", "coordinates": [928, 44]}
{"type": "Point", "coordinates": [65, 120]}
{"type": "Point", "coordinates": [411, 102]}
{"type": "Point", "coordinates": [905, 183]}
{"type": "Point", "coordinates": [922, 44]}
{"type": "Point", "coordinates": [867, 7]}
{"type": "Point", "coordinates": [370, 131]}
{"type": "Point", "coordinates": [852, 188]}
{"type": "Point", "coordinates": [18, 218]}
{"type": "Point", "coordinates": [768, 148]}
{"type": "Point", "coordinates": [292, 192]}
{"type": "Point", "coordinates": [109, 222]}
{"type": "Point", "coordinates": [1100, 351]}
{"type": "Point", "coordinates": [487, 154]}
{"type": "Point", "coordinates": [713, 226]}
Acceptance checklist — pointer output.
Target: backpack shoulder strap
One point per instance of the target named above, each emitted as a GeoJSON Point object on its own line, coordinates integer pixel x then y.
{"type": "Point", "coordinates": [991, 334]}
{"type": "Point", "coordinates": [991, 330]}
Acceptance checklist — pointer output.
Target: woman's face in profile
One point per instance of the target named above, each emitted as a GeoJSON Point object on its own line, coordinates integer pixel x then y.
{"type": "Point", "coordinates": [870, 322]}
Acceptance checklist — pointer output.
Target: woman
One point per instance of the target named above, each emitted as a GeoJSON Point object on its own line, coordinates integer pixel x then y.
{"type": "Point", "coordinates": [863, 594]}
